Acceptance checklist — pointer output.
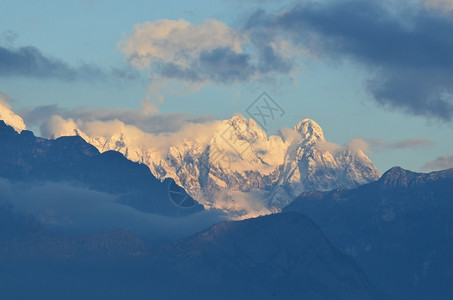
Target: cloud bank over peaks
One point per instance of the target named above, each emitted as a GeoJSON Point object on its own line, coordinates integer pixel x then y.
{"type": "Point", "coordinates": [124, 129]}
{"type": "Point", "coordinates": [146, 118]}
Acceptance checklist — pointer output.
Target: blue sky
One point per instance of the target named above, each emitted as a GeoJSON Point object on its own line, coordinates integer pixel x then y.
{"type": "Point", "coordinates": [380, 71]}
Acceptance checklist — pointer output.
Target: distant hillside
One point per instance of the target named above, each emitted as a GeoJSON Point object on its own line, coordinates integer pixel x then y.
{"type": "Point", "coordinates": [399, 229]}
{"type": "Point", "coordinates": [283, 256]}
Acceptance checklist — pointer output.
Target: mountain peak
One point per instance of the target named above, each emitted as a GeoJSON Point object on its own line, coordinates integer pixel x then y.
{"type": "Point", "coordinates": [309, 129]}
{"type": "Point", "coordinates": [237, 118]}
{"type": "Point", "coordinates": [395, 171]}
{"type": "Point", "coordinates": [245, 128]}
{"type": "Point", "coordinates": [397, 176]}
{"type": "Point", "coordinates": [241, 121]}
{"type": "Point", "coordinates": [10, 118]}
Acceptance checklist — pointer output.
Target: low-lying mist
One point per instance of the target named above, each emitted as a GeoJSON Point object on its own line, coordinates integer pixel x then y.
{"type": "Point", "coordinates": [74, 210]}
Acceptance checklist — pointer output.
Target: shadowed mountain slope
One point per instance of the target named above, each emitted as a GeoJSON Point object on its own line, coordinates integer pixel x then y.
{"type": "Point", "coordinates": [26, 158]}
{"type": "Point", "coordinates": [273, 257]}
{"type": "Point", "coordinates": [399, 229]}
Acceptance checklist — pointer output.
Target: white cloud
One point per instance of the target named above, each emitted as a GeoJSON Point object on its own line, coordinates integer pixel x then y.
{"type": "Point", "coordinates": [57, 126]}
{"type": "Point", "coordinates": [236, 201]}
{"type": "Point", "coordinates": [178, 41]}
{"type": "Point", "coordinates": [329, 147]}
{"type": "Point", "coordinates": [358, 145]}
{"type": "Point", "coordinates": [99, 132]}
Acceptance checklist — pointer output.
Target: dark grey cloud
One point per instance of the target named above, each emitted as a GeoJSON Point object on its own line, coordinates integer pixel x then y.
{"type": "Point", "coordinates": [440, 163]}
{"type": "Point", "coordinates": [8, 38]}
{"type": "Point", "coordinates": [413, 144]}
{"type": "Point", "coordinates": [126, 73]}
{"type": "Point", "coordinates": [32, 63]}
{"type": "Point", "coordinates": [225, 66]}
{"type": "Point", "coordinates": [408, 48]}
{"type": "Point", "coordinates": [221, 65]}
{"type": "Point", "coordinates": [269, 59]}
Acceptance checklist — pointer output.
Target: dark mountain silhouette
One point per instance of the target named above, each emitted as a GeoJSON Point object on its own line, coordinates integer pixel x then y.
{"type": "Point", "coordinates": [282, 256]}
{"type": "Point", "coordinates": [399, 229]}
{"type": "Point", "coordinates": [26, 158]}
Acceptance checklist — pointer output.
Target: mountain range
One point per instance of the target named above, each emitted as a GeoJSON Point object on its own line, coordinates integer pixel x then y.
{"type": "Point", "coordinates": [276, 256]}
{"type": "Point", "coordinates": [399, 229]}
{"type": "Point", "coordinates": [279, 256]}
{"type": "Point", "coordinates": [235, 167]}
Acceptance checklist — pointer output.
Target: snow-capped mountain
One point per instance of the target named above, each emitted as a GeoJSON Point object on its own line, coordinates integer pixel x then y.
{"type": "Point", "coordinates": [233, 165]}
{"type": "Point", "coordinates": [237, 168]}
{"type": "Point", "coordinates": [10, 118]}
